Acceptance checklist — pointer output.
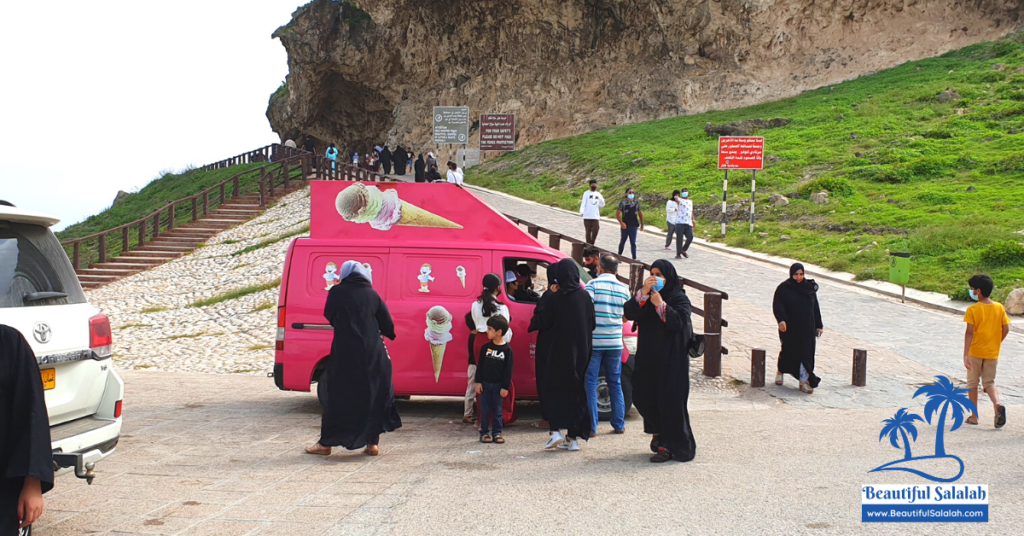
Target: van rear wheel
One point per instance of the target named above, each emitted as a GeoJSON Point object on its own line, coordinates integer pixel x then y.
{"type": "Point", "coordinates": [604, 400]}
{"type": "Point", "coordinates": [321, 389]}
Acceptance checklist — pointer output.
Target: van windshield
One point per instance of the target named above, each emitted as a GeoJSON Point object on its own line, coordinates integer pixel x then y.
{"type": "Point", "coordinates": [34, 269]}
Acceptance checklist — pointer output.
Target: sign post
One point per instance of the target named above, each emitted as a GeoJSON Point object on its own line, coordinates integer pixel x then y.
{"type": "Point", "coordinates": [451, 126]}
{"type": "Point", "coordinates": [740, 152]}
{"type": "Point", "coordinates": [498, 132]}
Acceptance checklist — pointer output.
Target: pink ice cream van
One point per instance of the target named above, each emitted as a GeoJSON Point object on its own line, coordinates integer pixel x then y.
{"type": "Point", "coordinates": [427, 248]}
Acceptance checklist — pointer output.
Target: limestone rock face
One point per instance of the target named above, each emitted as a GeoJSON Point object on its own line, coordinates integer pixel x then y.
{"type": "Point", "coordinates": [1015, 302]}
{"type": "Point", "coordinates": [364, 72]}
{"type": "Point", "coordinates": [820, 198]}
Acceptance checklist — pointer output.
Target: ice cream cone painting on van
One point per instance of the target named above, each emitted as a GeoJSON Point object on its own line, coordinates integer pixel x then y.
{"type": "Point", "coordinates": [438, 334]}
{"type": "Point", "coordinates": [382, 210]}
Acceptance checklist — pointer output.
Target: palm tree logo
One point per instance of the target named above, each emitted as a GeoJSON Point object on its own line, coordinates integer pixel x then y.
{"type": "Point", "coordinates": [897, 427]}
{"type": "Point", "coordinates": [943, 398]}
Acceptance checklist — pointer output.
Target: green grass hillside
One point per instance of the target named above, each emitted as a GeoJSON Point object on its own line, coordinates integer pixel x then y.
{"type": "Point", "coordinates": [941, 180]}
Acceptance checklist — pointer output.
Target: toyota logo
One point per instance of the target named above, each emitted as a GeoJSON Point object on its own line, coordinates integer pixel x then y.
{"type": "Point", "coordinates": [41, 332]}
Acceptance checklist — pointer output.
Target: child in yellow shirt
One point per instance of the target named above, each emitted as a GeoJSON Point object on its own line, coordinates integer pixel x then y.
{"type": "Point", "coordinates": [987, 326]}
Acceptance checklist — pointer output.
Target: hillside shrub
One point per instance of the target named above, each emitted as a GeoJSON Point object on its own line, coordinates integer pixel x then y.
{"type": "Point", "coordinates": [936, 198]}
{"type": "Point", "coordinates": [882, 173]}
{"type": "Point", "coordinates": [990, 76]}
{"type": "Point", "coordinates": [929, 167]}
{"type": "Point", "coordinates": [1004, 253]}
{"type": "Point", "coordinates": [837, 186]}
{"type": "Point", "coordinates": [1010, 164]}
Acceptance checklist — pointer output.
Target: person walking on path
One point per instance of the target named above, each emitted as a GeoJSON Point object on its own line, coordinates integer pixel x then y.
{"type": "Point", "coordinates": [631, 218]}
{"type": "Point", "coordinates": [309, 145]}
{"type": "Point", "coordinates": [609, 296]}
{"type": "Point", "coordinates": [420, 168]}
{"type": "Point", "coordinates": [360, 403]}
{"type": "Point", "coordinates": [570, 314]}
{"type": "Point", "coordinates": [545, 341]}
{"type": "Point", "coordinates": [493, 379]}
{"type": "Point", "coordinates": [385, 159]}
{"type": "Point", "coordinates": [485, 306]}
{"type": "Point", "coordinates": [987, 326]}
{"type": "Point", "coordinates": [455, 175]}
{"type": "Point", "coordinates": [401, 159]}
{"type": "Point", "coordinates": [26, 461]}
{"type": "Point", "coordinates": [684, 224]}
{"type": "Point", "coordinates": [661, 375]}
{"type": "Point", "coordinates": [671, 210]}
{"type": "Point", "coordinates": [796, 310]}
{"type": "Point", "coordinates": [332, 155]}
{"type": "Point", "coordinates": [590, 209]}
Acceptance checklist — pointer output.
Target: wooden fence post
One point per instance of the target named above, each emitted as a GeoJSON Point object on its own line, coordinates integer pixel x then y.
{"type": "Point", "coordinates": [534, 230]}
{"type": "Point", "coordinates": [712, 334]}
{"type": "Point", "coordinates": [636, 277]}
{"type": "Point", "coordinates": [206, 203]}
{"type": "Point", "coordinates": [756, 367]}
{"type": "Point", "coordinates": [76, 252]}
{"type": "Point", "coordinates": [221, 195]}
{"type": "Point", "coordinates": [860, 367]}
{"type": "Point", "coordinates": [554, 241]}
{"type": "Point", "coordinates": [156, 225]}
{"type": "Point", "coordinates": [125, 239]}
{"type": "Point", "coordinates": [577, 252]}
{"type": "Point", "coordinates": [170, 217]}
{"type": "Point", "coordinates": [103, 247]}
{"type": "Point", "coordinates": [195, 208]}
{"type": "Point", "coordinates": [287, 176]}
{"type": "Point", "coordinates": [142, 233]}
{"type": "Point", "coordinates": [234, 187]}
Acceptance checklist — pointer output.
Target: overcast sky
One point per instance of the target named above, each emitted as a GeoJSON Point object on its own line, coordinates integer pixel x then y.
{"type": "Point", "coordinates": [98, 97]}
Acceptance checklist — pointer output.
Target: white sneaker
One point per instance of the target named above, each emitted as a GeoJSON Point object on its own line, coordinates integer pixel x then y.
{"type": "Point", "coordinates": [554, 440]}
{"type": "Point", "coordinates": [574, 446]}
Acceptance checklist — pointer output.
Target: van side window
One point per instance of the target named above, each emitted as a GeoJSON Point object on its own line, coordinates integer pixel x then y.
{"type": "Point", "coordinates": [530, 279]}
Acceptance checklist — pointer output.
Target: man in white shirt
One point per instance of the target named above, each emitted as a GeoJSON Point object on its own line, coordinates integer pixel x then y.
{"type": "Point", "coordinates": [455, 175]}
{"type": "Point", "coordinates": [684, 224]}
{"type": "Point", "coordinates": [671, 214]}
{"type": "Point", "coordinates": [590, 209]}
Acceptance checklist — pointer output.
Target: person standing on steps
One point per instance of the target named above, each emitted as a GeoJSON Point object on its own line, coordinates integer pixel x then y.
{"type": "Point", "coordinates": [671, 210]}
{"type": "Point", "coordinates": [360, 403]}
{"type": "Point", "coordinates": [796, 310]}
{"type": "Point", "coordinates": [684, 224]}
{"type": "Point", "coordinates": [420, 168]}
{"type": "Point", "coordinates": [631, 218]}
{"type": "Point", "coordinates": [609, 296]}
{"type": "Point", "coordinates": [661, 374]}
{"type": "Point", "coordinates": [590, 209]}
{"type": "Point", "coordinates": [570, 314]}
{"type": "Point", "coordinates": [26, 461]}
{"type": "Point", "coordinates": [385, 159]}
{"type": "Point", "coordinates": [332, 155]}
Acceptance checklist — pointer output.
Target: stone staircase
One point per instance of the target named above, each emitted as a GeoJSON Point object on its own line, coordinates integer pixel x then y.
{"type": "Point", "coordinates": [178, 241]}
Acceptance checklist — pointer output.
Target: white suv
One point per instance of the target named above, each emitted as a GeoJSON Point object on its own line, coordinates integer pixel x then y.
{"type": "Point", "coordinates": [41, 297]}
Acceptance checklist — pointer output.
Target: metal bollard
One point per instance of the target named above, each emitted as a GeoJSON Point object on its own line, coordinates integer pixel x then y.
{"type": "Point", "coordinates": [757, 367]}
{"type": "Point", "coordinates": [860, 367]}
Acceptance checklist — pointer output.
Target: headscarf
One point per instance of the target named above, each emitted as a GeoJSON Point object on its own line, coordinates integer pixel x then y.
{"type": "Point", "coordinates": [808, 286]}
{"type": "Point", "coordinates": [552, 273]}
{"type": "Point", "coordinates": [797, 267]}
{"type": "Point", "coordinates": [672, 292]}
{"type": "Point", "coordinates": [356, 270]}
{"type": "Point", "coordinates": [568, 276]}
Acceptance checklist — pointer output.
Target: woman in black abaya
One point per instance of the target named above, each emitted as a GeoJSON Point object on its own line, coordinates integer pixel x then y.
{"type": "Point", "coordinates": [796, 310]}
{"type": "Point", "coordinates": [568, 322]}
{"type": "Point", "coordinates": [361, 398]}
{"type": "Point", "coordinates": [661, 373]}
{"type": "Point", "coordinates": [420, 168]}
{"type": "Point", "coordinates": [545, 338]}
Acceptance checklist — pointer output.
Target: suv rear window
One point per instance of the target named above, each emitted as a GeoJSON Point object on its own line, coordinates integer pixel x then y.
{"type": "Point", "coordinates": [34, 269]}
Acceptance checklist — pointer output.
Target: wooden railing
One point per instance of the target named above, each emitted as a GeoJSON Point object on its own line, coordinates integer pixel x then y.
{"type": "Point", "coordinates": [711, 312]}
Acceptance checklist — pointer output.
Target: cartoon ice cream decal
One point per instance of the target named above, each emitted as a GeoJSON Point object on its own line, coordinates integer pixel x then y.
{"type": "Point", "coordinates": [425, 278]}
{"type": "Point", "coordinates": [382, 210]}
{"type": "Point", "coordinates": [461, 273]}
{"type": "Point", "coordinates": [438, 334]}
{"type": "Point", "coordinates": [331, 275]}
{"type": "Point", "coordinates": [369, 270]}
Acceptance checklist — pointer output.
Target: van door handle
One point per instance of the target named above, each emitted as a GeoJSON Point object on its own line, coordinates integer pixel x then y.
{"type": "Point", "coordinates": [299, 325]}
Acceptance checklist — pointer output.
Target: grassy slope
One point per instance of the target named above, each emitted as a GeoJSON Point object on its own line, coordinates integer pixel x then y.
{"type": "Point", "coordinates": [917, 159]}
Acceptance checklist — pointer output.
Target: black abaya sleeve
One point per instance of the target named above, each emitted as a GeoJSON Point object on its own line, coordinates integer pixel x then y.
{"type": "Point", "coordinates": [778, 306]}
{"type": "Point", "coordinates": [817, 315]}
{"type": "Point", "coordinates": [631, 310]}
{"type": "Point", "coordinates": [540, 321]}
{"type": "Point", "coordinates": [384, 321]}
{"type": "Point", "coordinates": [25, 449]}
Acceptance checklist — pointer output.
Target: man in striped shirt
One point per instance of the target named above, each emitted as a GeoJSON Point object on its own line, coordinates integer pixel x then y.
{"type": "Point", "coordinates": [609, 296]}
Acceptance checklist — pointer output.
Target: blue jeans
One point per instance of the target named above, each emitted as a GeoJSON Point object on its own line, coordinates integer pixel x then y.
{"type": "Point", "coordinates": [490, 406]}
{"type": "Point", "coordinates": [630, 233]}
{"type": "Point", "coordinates": [612, 361]}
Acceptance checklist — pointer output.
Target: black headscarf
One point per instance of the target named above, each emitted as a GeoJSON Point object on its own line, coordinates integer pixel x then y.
{"type": "Point", "coordinates": [808, 286]}
{"type": "Point", "coordinates": [672, 292]}
{"type": "Point", "coordinates": [552, 273]}
{"type": "Point", "coordinates": [567, 275]}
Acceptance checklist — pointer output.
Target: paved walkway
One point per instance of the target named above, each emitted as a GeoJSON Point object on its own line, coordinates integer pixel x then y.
{"type": "Point", "coordinates": [907, 344]}
{"type": "Point", "coordinates": [222, 455]}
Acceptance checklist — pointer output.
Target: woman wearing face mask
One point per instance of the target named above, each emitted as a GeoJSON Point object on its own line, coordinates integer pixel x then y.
{"type": "Point", "coordinates": [661, 374]}
{"type": "Point", "coordinates": [671, 208]}
{"type": "Point", "coordinates": [631, 218]}
{"type": "Point", "coordinates": [796, 310]}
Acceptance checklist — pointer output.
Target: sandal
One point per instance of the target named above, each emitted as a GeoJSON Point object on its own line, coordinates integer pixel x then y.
{"type": "Point", "coordinates": [485, 438]}
{"type": "Point", "coordinates": [971, 420]}
{"type": "Point", "coordinates": [1001, 417]}
{"type": "Point", "coordinates": [662, 456]}
{"type": "Point", "coordinates": [317, 448]}
{"type": "Point", "coordinates": [467, 420]}
{"type": "Point", "coordinates": [372, 450]}
{"type": "Point", "coordinates": [655, 444]}
{"type": "Point", "coordinates": [806, 387]}
{"type": "Point", "coordinates": [778, 378]}
{"type": "Point", "coordinates": [498, 439]}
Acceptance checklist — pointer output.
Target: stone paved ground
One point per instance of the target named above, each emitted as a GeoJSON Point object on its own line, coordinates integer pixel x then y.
{"type": "Point", "coordinates": [906, 344]}
{"type": "Point", "coordinates": [221, 455]}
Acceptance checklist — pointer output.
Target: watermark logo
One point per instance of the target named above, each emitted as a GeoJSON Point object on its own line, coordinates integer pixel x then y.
{"type": "Point", "coordinates": [927, 503]}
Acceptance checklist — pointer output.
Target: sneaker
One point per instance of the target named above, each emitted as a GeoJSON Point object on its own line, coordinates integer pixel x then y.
{"type": "Point", "coordinates": [554, 440]}
{"type": "Point", "coordinates": [574, 446]}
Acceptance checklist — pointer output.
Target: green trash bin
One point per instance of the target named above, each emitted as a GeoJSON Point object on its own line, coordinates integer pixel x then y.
{"type": "Point", "coordinates": [899, 268]}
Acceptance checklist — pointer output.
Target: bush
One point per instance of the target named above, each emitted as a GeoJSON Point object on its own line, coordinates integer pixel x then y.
{"type": "Point", "coordinates": [929, 167]}
{"type": "Point", "coordinates": [1005, 253]}
{"type": "Point", "coordinates": [990, 76]}
{"type": "Point", "coordinates": [935, 198]}
{"type": "Point", "coordinates": [961, 294]}
{"type": "Point", "coordinates": [837, 186]}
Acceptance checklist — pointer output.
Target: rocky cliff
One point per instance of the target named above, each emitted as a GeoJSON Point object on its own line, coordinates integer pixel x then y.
{"type": "Point", "coordinates": [367, 71]}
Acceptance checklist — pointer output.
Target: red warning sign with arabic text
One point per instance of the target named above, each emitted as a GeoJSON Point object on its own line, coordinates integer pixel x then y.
{"type": "Point", "coordinates": [738, 152]}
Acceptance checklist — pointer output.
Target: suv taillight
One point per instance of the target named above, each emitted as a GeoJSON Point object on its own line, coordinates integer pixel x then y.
{"type": "Point", "coordinates": [279, 339]}
{"type": "Point", "coordinates": [101, 341]}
